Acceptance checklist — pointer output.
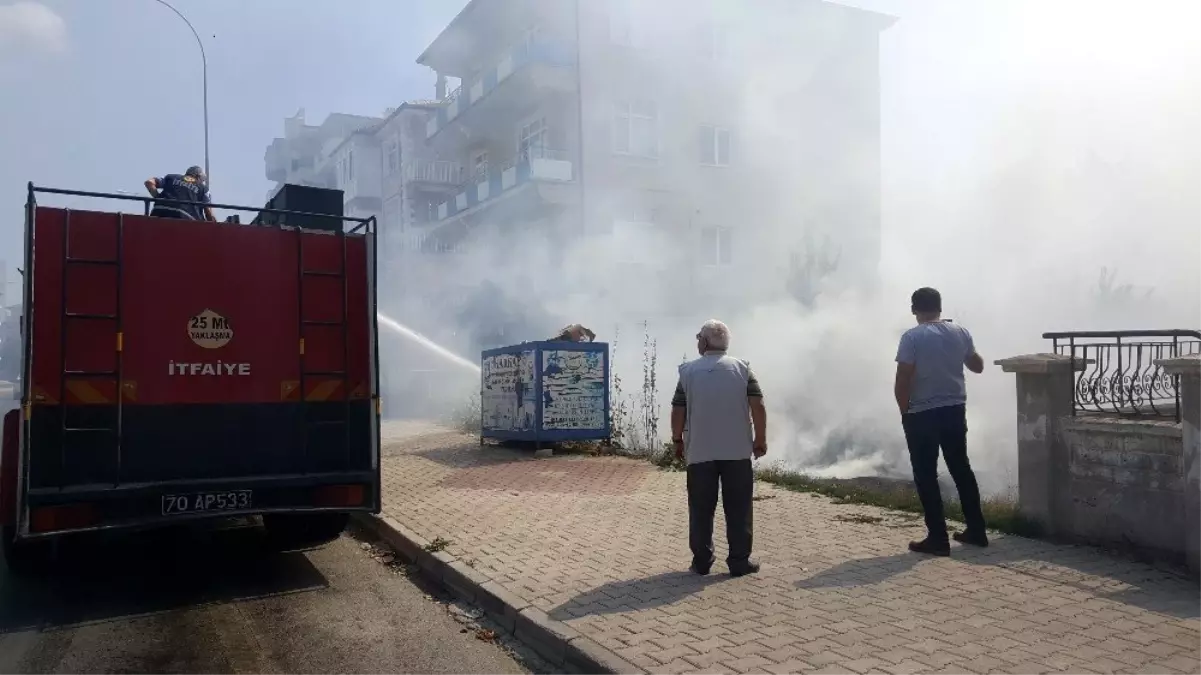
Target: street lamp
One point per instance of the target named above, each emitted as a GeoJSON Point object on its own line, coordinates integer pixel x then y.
{"type": "Point", "coordinates": [205, 66]}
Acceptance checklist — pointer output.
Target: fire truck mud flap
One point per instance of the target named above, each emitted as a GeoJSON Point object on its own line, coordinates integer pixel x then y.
{"type": "Point", "coordinates": [21, 557]}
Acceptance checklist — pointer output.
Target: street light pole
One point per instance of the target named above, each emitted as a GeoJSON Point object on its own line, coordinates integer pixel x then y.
{"type": "Point", "coordinates": [205, 75]}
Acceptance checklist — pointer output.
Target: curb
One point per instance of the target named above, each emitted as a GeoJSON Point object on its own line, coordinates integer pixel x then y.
{"type": "Point", "coordinates": [553, 640]}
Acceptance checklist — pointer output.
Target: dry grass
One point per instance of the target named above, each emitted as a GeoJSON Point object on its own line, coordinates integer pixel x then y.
{"type": "Point", "coordinates": [1000, 512]}
{"type": "Point", "coordinates": [468, 416]}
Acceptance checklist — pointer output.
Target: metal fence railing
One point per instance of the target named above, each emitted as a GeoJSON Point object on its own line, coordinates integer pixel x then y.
{"type": "Point", "coordinates": [433, 171]}
{"type": "Point", "coordinates": [1119, 375]}
{"type": "Point", "coordinates": [491, 173]}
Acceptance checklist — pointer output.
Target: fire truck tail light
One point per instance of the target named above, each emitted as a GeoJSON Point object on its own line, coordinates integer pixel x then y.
{"type": "Point", "coordinates": [338, 495]}
{"type": "Point", "coordinates": [66, 517]}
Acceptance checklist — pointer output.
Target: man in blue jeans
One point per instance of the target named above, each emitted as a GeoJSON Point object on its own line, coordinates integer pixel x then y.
{"type": "Point", "coordinates": [932, 398]}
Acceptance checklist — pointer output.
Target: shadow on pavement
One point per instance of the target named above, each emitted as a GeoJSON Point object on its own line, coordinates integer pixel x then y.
{"type": "Point", "coordinates": [1100, 573]}
{"type": "Point", "coordinates": [1105, 574]}
{"type": "Point", "coordinates": [100, 578]}
{"type": "Point", "coordinates": [862, 571]}
{"type": "Point", "coordinates": [471, 454]}
{"type": "Point", "coordinates": [635, 594]}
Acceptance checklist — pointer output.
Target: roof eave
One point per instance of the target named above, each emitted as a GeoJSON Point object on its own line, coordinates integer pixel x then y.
{"type": "Point", "coordinates": [878, 20]}
{"type": "Point", "coordinates": [455, 24]}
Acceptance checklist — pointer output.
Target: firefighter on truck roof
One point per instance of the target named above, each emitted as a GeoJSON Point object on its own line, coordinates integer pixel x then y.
{"type": "Point", "coordinates": [190, 191]}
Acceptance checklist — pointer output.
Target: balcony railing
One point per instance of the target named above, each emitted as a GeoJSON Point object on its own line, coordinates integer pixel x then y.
{"type": "Point", "coordinates": [546, 51]}
{"type": "Point", "coordinates": [1119, 375]}
{"type": "Point", "coordinates": [531, 164]}
{"type": "Point", "coordinates": [431, 171]}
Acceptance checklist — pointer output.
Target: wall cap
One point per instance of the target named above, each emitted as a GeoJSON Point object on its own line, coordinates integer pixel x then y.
{"type": "Point", "coordinates": [1044, 364]}
{"type": "Point", "coordinates": [1181, 365]}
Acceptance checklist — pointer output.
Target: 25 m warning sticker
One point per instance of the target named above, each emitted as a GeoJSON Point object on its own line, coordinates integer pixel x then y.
{"type": "Point", "coordinates": [210, 330]}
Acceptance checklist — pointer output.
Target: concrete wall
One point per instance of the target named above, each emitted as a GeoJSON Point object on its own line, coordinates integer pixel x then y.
{"type": "Point", "coordinates": [1109, 480]}
{"type": "Point", "coordinates": [364, 151]}
{"type": "Point", "coordinates": [1126, 482]}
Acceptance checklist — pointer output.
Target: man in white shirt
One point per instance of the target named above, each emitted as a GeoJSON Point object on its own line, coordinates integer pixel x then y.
{"type": "Point", "coordinates": [716, 407]}
{"type": "Point", "coordinates": [932, 398]}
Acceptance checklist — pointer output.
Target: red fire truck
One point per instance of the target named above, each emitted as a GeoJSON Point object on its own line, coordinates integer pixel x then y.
{"type": "Point", "coordinates": [176, 370]}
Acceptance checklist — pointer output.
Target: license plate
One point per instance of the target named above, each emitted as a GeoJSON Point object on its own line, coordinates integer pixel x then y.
{"type": "Point", "coordinates": [201, 502]}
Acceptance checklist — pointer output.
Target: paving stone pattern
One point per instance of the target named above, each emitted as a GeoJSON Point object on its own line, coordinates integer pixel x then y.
{"type": "Point", "coordinates": [601, 544]}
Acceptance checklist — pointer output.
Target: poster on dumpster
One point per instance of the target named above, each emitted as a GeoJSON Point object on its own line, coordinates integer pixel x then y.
{"type": "Point", "coordinates": [573, 389]}
{"type": "Point", "coordinates": [507, 400]}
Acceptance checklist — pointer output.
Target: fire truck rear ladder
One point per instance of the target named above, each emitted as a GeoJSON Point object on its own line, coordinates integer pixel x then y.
{"type": "Point", "coordinates": [344, 373]}
{"type": "Point", "coordinates": [67, 317]}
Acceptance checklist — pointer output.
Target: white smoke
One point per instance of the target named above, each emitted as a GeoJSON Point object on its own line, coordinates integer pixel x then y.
{"type": "Point", "coordinates": [1044, 179]}
{"type": "Point", "coordinates": [29, 28]}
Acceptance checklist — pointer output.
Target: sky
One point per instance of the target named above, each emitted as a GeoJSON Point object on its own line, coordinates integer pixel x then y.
{"type": "Point", "coordinates": [1026, 144]}
{"type": "Point", "coordinates": [109, 93]}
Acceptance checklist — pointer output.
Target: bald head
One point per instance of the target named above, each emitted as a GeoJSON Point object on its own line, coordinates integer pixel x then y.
{"type": "Point", "coordinates": [714, 335]}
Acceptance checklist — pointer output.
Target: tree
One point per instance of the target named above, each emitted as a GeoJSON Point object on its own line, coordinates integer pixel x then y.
{"type": "Point", "coordinates": [810, 266]}
{"type": "Point", "coordinates": [1109, 294]}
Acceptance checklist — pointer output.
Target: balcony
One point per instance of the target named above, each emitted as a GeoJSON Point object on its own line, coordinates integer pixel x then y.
{"type": "Point", "coordinates": [520, 60]}
{"type": "Point", "coordinates": [433, 172]}
{"type": "Point", "coordinates": [535, 165]}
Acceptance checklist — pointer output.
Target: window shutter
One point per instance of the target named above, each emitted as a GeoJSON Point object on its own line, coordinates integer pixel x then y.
{"type": "Point", "coordinates": [723, 147]}
{"type": "Point", "coordinates": [709, 246]}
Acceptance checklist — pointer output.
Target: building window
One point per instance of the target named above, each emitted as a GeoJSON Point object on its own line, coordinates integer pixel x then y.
{"type": "Point", "coordinates": [479, 164]}
{"type": "Point", "coordinates": [531, 140]}
{"type": "Point", "coordinates": [530, 38]}
{"type": "Point", "coordinates": [714, 40]}
{"type": "Point", "coordinates": [392, 159]}
{"type": "Point", "coordinates": [345, 170]}
{"type": "Point", "coordinates": [715, 146]}
{"type": "Point", "coordinates": [622, 26]}
{"type": "Point", "coordinates": [715, 246]}
{"type": "Point", "coordinates": [636, 128]}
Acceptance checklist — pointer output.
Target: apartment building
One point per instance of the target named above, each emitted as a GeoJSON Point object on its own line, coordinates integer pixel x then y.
{"type": "Point", "coordinates": [676, 156]}
{"type": "Point", "coordinates": [314, 155]}
{"type": "Point", "coordinates": [383, 167]}
{"type": "Point", "coordinates": [704, 150]}
{"type": "Point", "coordinates": [708, 149]}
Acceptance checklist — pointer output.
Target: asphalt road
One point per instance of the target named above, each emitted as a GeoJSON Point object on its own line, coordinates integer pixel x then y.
{"type": "Point", "coordinates": [216, 601]}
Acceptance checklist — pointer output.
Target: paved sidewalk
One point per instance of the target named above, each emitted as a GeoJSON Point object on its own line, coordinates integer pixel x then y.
{"type": "Point", "coordinates": [600, 543]}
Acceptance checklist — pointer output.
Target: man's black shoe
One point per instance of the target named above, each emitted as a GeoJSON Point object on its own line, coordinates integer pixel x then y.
{"type": "Point", "coordinates": [930, 546]}
{"type": "Point", "coordinates": [743, 569]}
{"type": "Point", "coordinates": [701, 569]}
{"type": "Point", "coordinates": [974, 538]}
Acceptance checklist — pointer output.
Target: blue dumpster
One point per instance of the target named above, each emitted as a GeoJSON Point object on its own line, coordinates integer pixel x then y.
{"type": "Point", "coordinates": [545, 392]}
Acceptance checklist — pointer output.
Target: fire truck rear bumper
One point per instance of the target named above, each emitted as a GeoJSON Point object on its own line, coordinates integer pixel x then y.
{"type": "Point", "coordinates": [91, 508]}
